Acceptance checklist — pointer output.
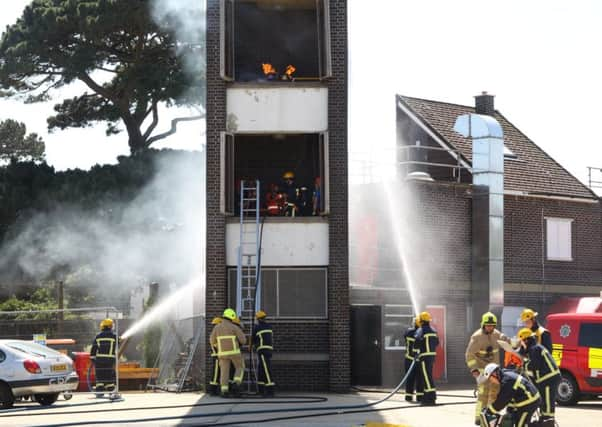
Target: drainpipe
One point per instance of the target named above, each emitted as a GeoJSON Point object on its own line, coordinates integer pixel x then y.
{"type": "Point", "coordinates": [487, 213]}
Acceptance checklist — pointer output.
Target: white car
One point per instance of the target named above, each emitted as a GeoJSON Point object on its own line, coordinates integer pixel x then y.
{"type": "Point", "coordinates": [30, 369]}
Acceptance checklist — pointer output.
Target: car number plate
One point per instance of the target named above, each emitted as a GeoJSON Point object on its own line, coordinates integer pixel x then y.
{"type": "Point", "coordinates": [61, 367]}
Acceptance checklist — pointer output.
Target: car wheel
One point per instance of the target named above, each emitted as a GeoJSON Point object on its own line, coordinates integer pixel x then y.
{"type": "Point", "coordinates": [46, 399]}
{"type": "Point", "coordinates": [6, 396]}
{"type": "Point", "coordinates": [568, 390]}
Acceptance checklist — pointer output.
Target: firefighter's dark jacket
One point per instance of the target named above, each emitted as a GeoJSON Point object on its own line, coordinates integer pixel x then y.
{"type": "Point", "coordinates": [104, 345]}
{"type": "Point", "coordinates": [410, 340]}
{"type": "Point", "coordinates": [426, 341]}
{"type": "Point", "coordinates": [262, 337]}
{"type": "Point", "coordinates": [543, 336]}
{"type": "Point", "coordinates": [541, 364]}
{"type": "Point", "coordinates": [516, 391]}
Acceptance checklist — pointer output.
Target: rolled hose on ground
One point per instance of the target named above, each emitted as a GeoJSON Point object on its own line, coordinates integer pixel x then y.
{"type": "Point", "coordinates": [319, 411]}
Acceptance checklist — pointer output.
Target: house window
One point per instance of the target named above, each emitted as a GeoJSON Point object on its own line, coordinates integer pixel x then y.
{"type": "Point", "coordinates": [275, 40]}
{"type": "Point", "coordinates": [267, 158]}
{"type": "Point", "coordinates": [558, 238]}
{"type": "Point", "coordinates": [398, 318]}
{"type": "Point", "coordinates": [289, 293]}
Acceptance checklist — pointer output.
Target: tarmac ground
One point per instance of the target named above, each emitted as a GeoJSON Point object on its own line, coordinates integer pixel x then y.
{"type": "Point", "coordinates": [455, 408]}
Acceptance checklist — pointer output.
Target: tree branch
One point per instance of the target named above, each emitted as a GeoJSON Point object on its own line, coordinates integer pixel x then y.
{"type": "Point", "coordinates": [174, 125]}
{"type": "Point", "coordinates": [154, 123]}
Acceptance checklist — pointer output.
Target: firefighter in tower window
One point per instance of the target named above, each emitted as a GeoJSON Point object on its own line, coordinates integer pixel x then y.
{"type": "Point", "coordinates": [214, 382]}
{"type": "Point", "coordinates": [483, 348]}
{"type": "Point", "coordinates": [516, 392]}
{"type": "Point", "coordinates": [528, 317]}
{"type": "Point", "coordinates": [543, 371]}
{"type": "Point", "coordinates": [104, 357]}
{"type": "Point", "coordinates": [275, 201]}
{"type": "Point", "coordinates": [409, 358]}
{"type": "Point", "coordinates": [316, 197]}
{"type": "Point", "coordinates": [289, 189]}
{"type": "Point", "coordinates": [263, 345]}
{"type": "Point", "coordinates": [426, 342]}
{"type": "Point", "coordinates": [227, 338]}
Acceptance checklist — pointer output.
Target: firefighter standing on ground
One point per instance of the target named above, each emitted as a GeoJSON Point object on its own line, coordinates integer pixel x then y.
{"type": "Point", "coordinates": [426, 344]}
{"type": "Point", "coordinates": [409, 358]}
{"type": "Point", "coordinates": [543, 336]}
{"type": "Point", "coordinates": [483, 349]}
{"type": "Point", "coordinates": [516, 392]}
{"type": "Point", "coordinates": [543, 371]}
{"type": "Point", "coordinates": [227, 338]}
{"type": "Point", "coordinates": [214, 383]}
{"type": "Point", "coordinates": [263, 345]}
{"type": "Point", "coordinates": [104, 357]}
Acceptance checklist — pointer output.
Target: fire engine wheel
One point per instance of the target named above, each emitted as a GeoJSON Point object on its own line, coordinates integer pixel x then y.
{"type": "Point", "coordinates": [7, 399]}
{"type": "Point", "coordinates": [568, 390]}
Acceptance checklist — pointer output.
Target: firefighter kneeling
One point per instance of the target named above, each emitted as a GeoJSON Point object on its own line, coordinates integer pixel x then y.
{"type": "Point", "coordinates": [103, 356]}
{"type": "Point", "coordinates": [263, 345]}
{"type": "Point", "coordinates": [227, 338]}
{"type": "Point", "coordinates": [516, 392]}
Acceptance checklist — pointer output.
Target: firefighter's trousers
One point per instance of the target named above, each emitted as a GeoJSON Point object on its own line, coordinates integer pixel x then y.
{"type": "Point", "coordinates": [426, 384]}
{"type": "Point", "coordinates": [105, 373]}
{"type": "Point", "coordinates": [487, 393]}
{"type": "Point", "coordinates": [265, 380]}
{"type": "Point", "coordinates": [411, 379]}
{"type": "Point", "coordinates": [214, 383]}
{"type": "Point", "coordinates": [547, 390]}
{"type": "Point", "coordinates": [224, 370]}
{"type": "Point", "coordinates": [521, 416]}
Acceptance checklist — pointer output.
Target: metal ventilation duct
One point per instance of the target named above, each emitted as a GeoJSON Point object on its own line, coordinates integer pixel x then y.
{"type": "Point", "coordinates": [488, 210]}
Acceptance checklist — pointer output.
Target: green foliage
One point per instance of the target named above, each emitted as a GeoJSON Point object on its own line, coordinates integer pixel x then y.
{"type": "Point", "coordinates": [129, 63]}
{"type": "Point", "coordinates": [16, 144]}
{"type": "Point", "coordinates": [42, 298]}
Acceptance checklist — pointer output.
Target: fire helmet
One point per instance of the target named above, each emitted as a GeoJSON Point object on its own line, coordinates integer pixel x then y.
{"type": "Point", "coordinates": [216, 321]}
{"type": "Point", "coordinates": [417, 321]}
{"type": "Point", "coordinates": [488, 319]}
{"type": "Point", "coordinates": [229, 314]}
{"type": "Point", "coordinates": [425, 316]}
{"type": "Point", "coordinates": [490, 369]}
{"type": "Point", "coordinates": [106, 323]}
{"type": "Point", "coordinates": [524, 334]}
{"type": "Point", "coordinates": [236, 320]}
{"type": "Point", "coordinates": [261, 314]}
{"type": "Point", "coordinates": [288, 175]}
{"type": "Point", "coordinates": [528, 314]}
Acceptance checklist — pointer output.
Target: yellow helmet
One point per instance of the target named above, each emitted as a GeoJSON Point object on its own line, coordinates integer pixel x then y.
{"type": "Point", "coordinates": [288, 175]}
{"type": "Point", "coordinates": [261, 314]}
{"type": "Point", "coordinates": [107, 323]}
{"type": "Point", "coordinates": [528, 314]}
{"type": "Point", "coordinates": [236, 320]}
{"type": "Point", "coordinates": [417, 321]}
{"type": "Point", "coordinates": [216, 320]}
{"type": "Point", "coordinates": [229, 314]}
{"type": "Point", "coordinates": [488, 319]}
{"type": "Point", "coordinates": [425, 316]}
{"type": "Point", "coordinates": [524, 333]}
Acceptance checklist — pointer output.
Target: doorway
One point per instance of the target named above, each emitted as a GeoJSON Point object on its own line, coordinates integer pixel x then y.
{"type": "Point", "coordinates": [366, 346]}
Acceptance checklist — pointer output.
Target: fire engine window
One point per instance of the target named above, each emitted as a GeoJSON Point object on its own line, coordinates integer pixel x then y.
{"type": "Point", "coordinates": [590, 335]}
{"type": "Point", "coordinates": [275, 40]}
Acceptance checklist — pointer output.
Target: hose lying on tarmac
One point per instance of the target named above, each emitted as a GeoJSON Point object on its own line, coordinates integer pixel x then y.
{"type": "Point", "coordinates": [317, 411]}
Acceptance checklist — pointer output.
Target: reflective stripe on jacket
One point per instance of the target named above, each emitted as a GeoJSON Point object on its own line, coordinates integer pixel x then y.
{"type": "Point", "coordinates": [426, 341]}
{"type": "Point", "coordinates": [410, 340]}
{"type": "Point", "coordinates": [477, 356]}
{"type": "Point", "coordinates": [104, 345]}
{"type": "Point", "coordinates": [541, 363]}
{"type": "Point", "coordinates": [263, 336]}
{"type": "Point", "coordinates": [227, 338]}
{"type": "Point", "coordinates": [516, 391]}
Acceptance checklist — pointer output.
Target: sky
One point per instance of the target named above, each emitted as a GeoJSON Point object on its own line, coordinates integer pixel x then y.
{"type": "Point", "coordinates": [539, 58]}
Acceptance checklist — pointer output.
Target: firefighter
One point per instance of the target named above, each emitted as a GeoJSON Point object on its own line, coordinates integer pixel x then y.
{"type": "Point", "coordinates": [228, 338]}
{"type": "Point", "coordinates": [409, 358]}
{"type": "Point", "coordinates": [316, 197]}
{"type": "Point", "coordinates": [528, 317]}
{"type": "Point", "coordinates": [483, 348]}
{"type": "Point", "coordinates": [214, 383]}
{"type": "Point", "coordinates": [516, 392]}
{"type": "Point", "coordinates": [426, 342]}
{"type": "Point", "coordinates": [274, 201]}
{"type": "Point", "coordinates": [104, 357]}
{"type": "Point", "coordinates": [290, 191]}
{"type": "Point", "coordinates": [263, 345]}
{"type": "Point", "coordinates": [544, 373]}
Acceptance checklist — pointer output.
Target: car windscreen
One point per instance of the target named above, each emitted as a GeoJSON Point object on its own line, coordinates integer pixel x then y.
{"type": "Point", "coordinates": [32, 348]}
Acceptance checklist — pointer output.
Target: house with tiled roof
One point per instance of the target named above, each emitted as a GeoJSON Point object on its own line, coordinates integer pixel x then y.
{"type": "Point", "coordinates": [547, 239]}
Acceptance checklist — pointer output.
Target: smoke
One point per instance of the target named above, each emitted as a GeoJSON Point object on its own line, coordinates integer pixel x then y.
{"type": "Point", "coordinates": [158, 236]}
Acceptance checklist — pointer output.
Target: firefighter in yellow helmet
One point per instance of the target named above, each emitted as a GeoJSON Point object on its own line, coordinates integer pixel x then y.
{"type": "Point", "coordinates": [425, 344]}
{"type": "Point", "coordinates": [528, 317]}
{"type": "Point", "coordinates": [104, 357]}
{"type": "Point", "coordinates": [289, 189]}
{"type": "Point", "coordinates": [214, 382]}
{"type": "Point", "coordinates": [543, 371]}
{"type": "Point", "coordinates": [228, 338]}
{"type": "Point", "coordinates": [409, 358]}
{"type": "Point", "coordinates": [483, 349]}
{"type": "Point", "coordinates": [264, 345]}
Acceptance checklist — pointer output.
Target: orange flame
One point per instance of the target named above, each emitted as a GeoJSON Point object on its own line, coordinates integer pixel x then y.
{"type": "Point", "coordinates": [268, 69]}
{"type": "Point", "coordinates": [290, 70]}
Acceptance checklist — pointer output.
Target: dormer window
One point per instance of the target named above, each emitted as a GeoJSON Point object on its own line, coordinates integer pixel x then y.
{"type": "Point", "coordinates": [275, 40]}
